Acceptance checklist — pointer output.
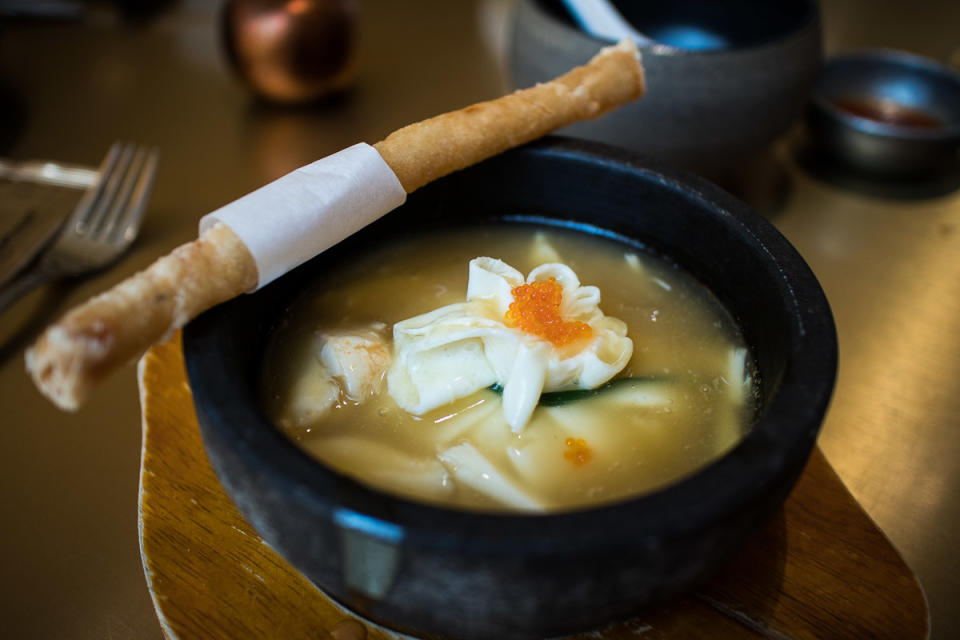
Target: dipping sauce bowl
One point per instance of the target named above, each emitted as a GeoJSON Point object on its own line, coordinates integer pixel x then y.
{"type": "Point", "coordinates": [887, 113]}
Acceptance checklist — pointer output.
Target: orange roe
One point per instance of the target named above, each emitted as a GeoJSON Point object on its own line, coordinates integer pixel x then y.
{"type": "Point", "coordinates": [577, 453]}
{"type": "Point", "coordinates": [536, 310]}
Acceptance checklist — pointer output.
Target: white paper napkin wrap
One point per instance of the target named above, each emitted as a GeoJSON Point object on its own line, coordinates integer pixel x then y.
{"type": "Point", "coordinates": [307, 211]}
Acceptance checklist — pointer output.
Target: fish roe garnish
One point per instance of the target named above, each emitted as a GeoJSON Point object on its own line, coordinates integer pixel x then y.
{"type": "Point", "coordinates": [577, 451]}
{"type": "Point", "coordinates": [536, 310]}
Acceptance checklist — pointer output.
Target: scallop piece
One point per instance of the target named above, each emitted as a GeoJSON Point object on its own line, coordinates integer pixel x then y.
{"type": "Point", "coordinates": [357, 359]}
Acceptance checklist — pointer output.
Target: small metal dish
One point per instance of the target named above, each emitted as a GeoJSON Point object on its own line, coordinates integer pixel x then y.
{"type": "Point", "coordinates": [887, 113]}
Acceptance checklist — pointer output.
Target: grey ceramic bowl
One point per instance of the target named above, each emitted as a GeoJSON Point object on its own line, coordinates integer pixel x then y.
{"type": "Point", "coordinates": [704, 111]}
{"type": "Point", "coordinates": [887, 113]}
{"type": "Point", "coordinates": [436, 571]}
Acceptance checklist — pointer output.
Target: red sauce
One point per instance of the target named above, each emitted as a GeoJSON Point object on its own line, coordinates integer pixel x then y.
{"type": "Point", "coordinates": [888, 112]}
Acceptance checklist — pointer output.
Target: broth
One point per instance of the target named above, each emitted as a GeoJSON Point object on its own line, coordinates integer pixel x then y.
{"type": "Point", "coordinates": [679, 403]}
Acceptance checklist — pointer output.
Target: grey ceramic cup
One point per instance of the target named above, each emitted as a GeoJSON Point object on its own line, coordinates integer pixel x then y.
{"type": "Point", "coordinates": [704, 111]}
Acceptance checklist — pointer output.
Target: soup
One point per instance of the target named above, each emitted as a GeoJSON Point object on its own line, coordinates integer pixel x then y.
{"type": "Point", "coordinates": [682, 395]}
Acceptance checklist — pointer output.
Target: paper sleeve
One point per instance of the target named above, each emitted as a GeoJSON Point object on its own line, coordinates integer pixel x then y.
{"type": "Point", "coordinates": [292, 219]}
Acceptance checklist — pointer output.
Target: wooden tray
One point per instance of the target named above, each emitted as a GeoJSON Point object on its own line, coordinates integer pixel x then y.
{"type": "Point", "coordinates": [820, 569]}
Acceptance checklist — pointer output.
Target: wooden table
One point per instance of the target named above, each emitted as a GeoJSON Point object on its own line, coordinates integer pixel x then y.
{"type": "Point", "coordinates": [820, 569]}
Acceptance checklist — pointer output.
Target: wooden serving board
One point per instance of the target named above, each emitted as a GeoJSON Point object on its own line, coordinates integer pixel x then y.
{"type": "Point", "coordinates": [820, 569]}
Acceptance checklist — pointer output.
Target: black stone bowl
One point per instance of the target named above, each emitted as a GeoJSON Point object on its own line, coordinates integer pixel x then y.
{"type": "Point", "coordinates": [441, 572]}
{"type": "Point", "coordinates": [887, 113]}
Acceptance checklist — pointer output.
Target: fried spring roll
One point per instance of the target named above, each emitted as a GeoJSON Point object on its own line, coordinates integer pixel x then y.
{"type": "Point", "coordinates": [422, 152]}
{"type": "Point", "coordinates": [89, 342]}
{"type": "Point", "coordinates": [110, 329]}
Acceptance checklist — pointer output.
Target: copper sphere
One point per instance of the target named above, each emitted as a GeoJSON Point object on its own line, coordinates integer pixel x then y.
{"type": "Point", "coordinates": [291, 50]}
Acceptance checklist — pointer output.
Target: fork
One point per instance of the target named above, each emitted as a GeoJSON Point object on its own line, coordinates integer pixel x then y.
{"type": "Point", "coordinates": [102, 225]}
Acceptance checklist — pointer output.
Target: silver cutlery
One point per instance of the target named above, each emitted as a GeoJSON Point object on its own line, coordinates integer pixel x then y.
{"type": "Point", "coordinates": [102, 225]}
{"type": "Point", "coordinates": [43, 172]}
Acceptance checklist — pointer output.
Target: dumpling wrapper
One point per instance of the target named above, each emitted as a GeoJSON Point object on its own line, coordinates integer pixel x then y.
{"type": "Point", "coordinates": [472, 469]}
{"type": "Point", "coordinates": [461, 348]}
{"type": "Point", "coordinates": [387, 467]}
